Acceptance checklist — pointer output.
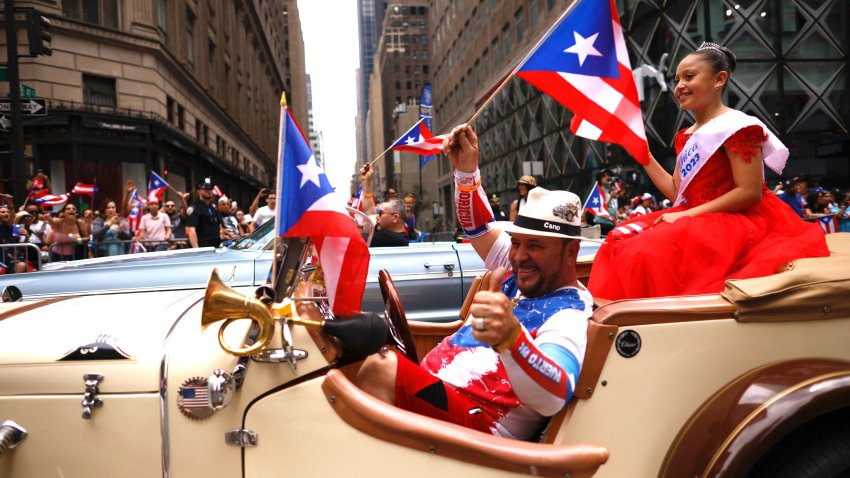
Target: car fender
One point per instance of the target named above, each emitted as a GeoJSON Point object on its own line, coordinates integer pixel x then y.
{"type": "Point", "coordinates": [737, 425]}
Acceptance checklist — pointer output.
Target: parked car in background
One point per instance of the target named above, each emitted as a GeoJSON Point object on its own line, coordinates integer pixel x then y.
{"type": "Point", "coordinates": [432, 277]}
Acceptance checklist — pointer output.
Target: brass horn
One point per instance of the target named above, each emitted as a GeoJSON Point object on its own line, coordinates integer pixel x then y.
{"type": "Point", "coordinates": [223, 303]}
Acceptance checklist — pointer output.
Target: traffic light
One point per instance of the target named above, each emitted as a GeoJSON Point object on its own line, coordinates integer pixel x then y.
{"type": "Point", "coordinates": [38, 33]}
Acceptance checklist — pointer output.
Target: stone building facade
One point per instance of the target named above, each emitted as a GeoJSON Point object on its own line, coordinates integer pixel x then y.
{"type": "Point", "coordinates": [190, 88]}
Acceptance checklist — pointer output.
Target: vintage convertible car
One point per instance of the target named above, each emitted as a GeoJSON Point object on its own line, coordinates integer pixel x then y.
{"type": "Point", "coordinates": [751, 382]}
{"type": "Point", "coordinates": [432, 277]}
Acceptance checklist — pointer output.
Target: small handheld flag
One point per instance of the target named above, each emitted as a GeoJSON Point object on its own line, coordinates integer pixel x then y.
{"type": "Point", "coordinates": [419, 140]}
{"type": "Point", "coordinates": [85, 189]}
{"type": "Point", "coordinates": [156, 187]}
{"type": "Point", "coordinates": [595, 203]}
{"type": "Point", "coordinates": [584, 65]}
{"type": "Point", "coordinates": [52, 200]}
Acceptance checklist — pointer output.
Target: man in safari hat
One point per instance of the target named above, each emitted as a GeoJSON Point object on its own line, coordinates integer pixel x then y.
{"type": "Point", "coordinates": [516, 359]}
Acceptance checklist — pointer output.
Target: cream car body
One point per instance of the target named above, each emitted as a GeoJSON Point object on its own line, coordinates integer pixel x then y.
{"type": "Point", "coordinates": [684, 386]}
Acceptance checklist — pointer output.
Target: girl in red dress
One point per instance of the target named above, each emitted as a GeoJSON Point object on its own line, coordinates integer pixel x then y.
{"type": "Point", "coordinates": [725, 223]}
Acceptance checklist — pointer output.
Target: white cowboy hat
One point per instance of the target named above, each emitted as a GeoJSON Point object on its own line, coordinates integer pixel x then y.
{"type": "Point", "coordinates": [550, 214]}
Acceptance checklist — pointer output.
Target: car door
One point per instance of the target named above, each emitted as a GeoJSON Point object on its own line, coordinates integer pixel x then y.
{"type": "Point", "coordinates": [428, 278]}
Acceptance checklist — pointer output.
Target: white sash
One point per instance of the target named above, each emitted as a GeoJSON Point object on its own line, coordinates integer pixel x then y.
{"type": "Point", "coordinates": [710, 137]}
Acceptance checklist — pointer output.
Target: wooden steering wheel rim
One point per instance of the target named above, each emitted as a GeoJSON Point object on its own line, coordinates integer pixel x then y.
{"type": "Point", "coordinates": [400, 335]}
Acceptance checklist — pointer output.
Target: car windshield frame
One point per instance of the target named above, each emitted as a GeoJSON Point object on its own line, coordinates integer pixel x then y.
{"type": "Point", "coordinates": [257, 240]}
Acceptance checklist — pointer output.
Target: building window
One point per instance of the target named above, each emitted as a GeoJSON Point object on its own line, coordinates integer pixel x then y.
{"type": "Point", "coordinates": [99, 12]}
{"type": "Point", "coordinates": [398, 84]}
{"type": "Point", "coordinates": [533, 12]}
{"type": "Point", "coordinates": [506, 41]}
{"type": "Point", "coordinates": [494, 47]}
{"type": "Point", "coordinates": [199, 129]}
{"type": "Point", "coordinates": [161, 16]}
{"type": "Point", "coordinates": [519, 23]}
{"type": "Point", "coordinates": [169, 109]}
{"type": "Point", "coordinates": [181, 117]}
{"type": "Point", "coordinates": [211, 66]}
{"type": "Point", "coordinates": [99, 91]}
{"type": "Point", "coordinates": [424, 69]}
{"type": "Point", "coordinates": [190, 38]}
{"type": "Point", "coordinates": [550, 4]}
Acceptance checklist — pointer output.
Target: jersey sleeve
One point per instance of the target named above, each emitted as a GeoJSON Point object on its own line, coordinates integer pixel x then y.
{"type": "Point", "coordinates": [543, 370]}
{"type": "Point", "coordinates": [498, 255]}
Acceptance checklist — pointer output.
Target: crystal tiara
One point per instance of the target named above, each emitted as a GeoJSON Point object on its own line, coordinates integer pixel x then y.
{"type": "Point", "coordinates": [707, 45]}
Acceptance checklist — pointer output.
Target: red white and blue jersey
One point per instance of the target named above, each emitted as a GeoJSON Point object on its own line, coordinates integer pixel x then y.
{"type": "Point", "coordinates": [534, 377]}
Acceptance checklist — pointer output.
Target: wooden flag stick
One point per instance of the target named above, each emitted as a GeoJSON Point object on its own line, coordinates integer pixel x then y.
{"type": "Point", "coordinates": [539, 42]}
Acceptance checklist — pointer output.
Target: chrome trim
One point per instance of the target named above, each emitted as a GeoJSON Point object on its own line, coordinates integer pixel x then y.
{"type": "Point", "coordinates": [163, 395]}
{"type": "Point", "coordinates": [240, 437]}
{"type": "Point", "coordinates": [11, 435]}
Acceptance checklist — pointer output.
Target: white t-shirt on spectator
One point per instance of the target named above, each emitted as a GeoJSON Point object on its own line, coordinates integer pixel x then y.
{"type": "Point", "coordinates": [262, 215]}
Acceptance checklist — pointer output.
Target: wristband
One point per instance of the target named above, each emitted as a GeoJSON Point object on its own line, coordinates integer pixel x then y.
{"type": "Point", "coordinates": [473, 209]}
{"type": "Point", "coordinates": [506, 344]}
{"type": "Point", "coordinates": [370, 195]}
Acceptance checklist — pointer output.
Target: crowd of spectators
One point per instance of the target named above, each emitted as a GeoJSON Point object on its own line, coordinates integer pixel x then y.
{"type": "Point", "coordinates": [32, 233]}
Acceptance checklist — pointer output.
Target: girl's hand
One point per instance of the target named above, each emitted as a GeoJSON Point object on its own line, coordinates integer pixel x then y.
{"type": "Point", "coordinates": [671, 217]}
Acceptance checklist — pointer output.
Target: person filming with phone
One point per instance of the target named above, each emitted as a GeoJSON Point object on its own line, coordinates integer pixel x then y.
{"type": "Point", "coordinates": [263, 214]}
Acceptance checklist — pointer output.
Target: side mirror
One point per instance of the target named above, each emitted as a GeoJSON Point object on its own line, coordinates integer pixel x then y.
{"type": "Point", "coordinates": [11, 294]}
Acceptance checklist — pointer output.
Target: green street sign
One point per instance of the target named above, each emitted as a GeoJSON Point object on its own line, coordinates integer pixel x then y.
{"type": "Point", "coordinates": [27, 92]}
{"type": "Point", "coordinates": [4, 74]}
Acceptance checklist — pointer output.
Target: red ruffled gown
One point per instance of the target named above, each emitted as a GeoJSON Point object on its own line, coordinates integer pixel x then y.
{"type": "Point", "coordinates": [695, 255]}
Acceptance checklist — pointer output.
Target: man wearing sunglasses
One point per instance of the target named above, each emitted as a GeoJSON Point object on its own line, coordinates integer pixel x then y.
{"type": "Point", "coordinates": [389, 218]}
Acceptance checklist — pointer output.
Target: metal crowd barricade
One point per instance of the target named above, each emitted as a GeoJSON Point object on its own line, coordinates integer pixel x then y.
{"type": "Point", "coordinates": [12, 254]}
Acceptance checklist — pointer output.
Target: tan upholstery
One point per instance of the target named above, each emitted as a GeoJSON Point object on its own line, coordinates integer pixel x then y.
{"type": "Point", "coordinates": [392, 424]}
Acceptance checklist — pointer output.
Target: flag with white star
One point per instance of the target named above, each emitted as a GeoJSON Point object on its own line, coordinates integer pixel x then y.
{"type": "Point", "coordinates": [595, 203]}
{"type": "Point", "coordinates": [584, 65]}
{"type": "Point", "coordinates": [419, 140]}
{"type": "Point", "coordinates": [156, 187]}
{"type": "Point", "coordinates": [308, 206]}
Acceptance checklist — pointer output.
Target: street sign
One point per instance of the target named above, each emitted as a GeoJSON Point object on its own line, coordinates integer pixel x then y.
{"type": "Point", "coordinates": [4, 74]}
{"type": "Point", "coordinates": [27, 91]}
{"type": "Point", "coordinates": [29, 106]}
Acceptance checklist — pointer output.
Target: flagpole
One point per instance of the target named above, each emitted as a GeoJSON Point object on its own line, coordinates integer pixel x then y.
{"type": "Point", "coordinates": [540, 41]}
{"type": "Point", "coordinates": [279, 185]}
{"type": "Point", "coordinates": [391, 145]}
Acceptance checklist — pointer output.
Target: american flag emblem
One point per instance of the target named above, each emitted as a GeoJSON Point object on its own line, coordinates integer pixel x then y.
{"type": "Point", "coordinates": [193, 399]}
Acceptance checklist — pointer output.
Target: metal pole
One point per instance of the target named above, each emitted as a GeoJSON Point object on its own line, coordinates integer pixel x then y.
{"type": "Point", "coordinates": [16, 150]}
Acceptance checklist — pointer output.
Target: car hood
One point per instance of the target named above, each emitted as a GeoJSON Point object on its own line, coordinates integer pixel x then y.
{"type": "Point", "coordinates": [46, 347]}
{"type": "Point", "coordinates": [173, 257]}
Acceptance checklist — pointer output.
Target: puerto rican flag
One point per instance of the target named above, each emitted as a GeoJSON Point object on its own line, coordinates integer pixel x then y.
{"type": "Point", "coordinates": [156, 187]}
{"type": "Point", "coordinates": [84, 189]}
{"type": "Point", "coordinates": [357, 200]}
{"type": "Point", "coordinates": [52, 200]}
{"type": "Point", "coordinates": [419, 140]}
{"type": "Point", "coordinates": [584, 65]}
{"type": "Point", "coordinates": [595, 203]}
{"type": "Point", "coordinates": [829, 224]}
{"type": "Point", "coordinates": [309, 207]}
{"type": "Point", "coordinates": [135, 215]}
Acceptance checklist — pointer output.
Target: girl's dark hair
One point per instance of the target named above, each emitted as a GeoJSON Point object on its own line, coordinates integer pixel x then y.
{"type": "Point", "coordinates": [106, 203]}
{"type": "Point", "coordinates": [719, 57]}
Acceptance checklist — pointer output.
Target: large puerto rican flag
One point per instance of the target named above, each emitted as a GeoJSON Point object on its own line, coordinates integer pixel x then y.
{"type": "Point", "coordinates": [309, 207]}
{"type": "Point", "coordinates": [419, 140]}
{"type": "Point", "coordinates": [584, 65]}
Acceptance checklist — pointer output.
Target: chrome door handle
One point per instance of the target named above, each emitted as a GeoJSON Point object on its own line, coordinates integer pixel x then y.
{"type": "Point", "coordinates": [449, 266]}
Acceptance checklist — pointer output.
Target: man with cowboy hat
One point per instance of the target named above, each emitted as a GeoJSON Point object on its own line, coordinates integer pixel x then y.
{"type": "Point", "coordinates": [516, 359]}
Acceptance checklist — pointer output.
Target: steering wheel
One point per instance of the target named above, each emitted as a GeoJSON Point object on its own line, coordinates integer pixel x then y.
{"type": "Point", "coordinates": [400, 335]}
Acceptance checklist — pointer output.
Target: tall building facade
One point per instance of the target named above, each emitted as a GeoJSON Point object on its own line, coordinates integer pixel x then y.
{"type": "Point", "coordinates": [402, 66]}
{"type": "Point", "coordinates": [793, 62]}
{"type": "Point", "coordinates": [313, 133]}
{"type": "Point", "coordinates": [370, 21]}
{"type": "Point", "coordinates": [187, 88]}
